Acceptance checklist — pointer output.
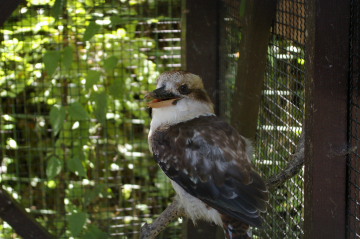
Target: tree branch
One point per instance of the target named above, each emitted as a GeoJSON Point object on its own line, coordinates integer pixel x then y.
{"type": "Point", "coordinates": [174, 210]}
{"type": "Point", "coordinates": [292, 168]}
{"type": "Point", "coordinates": [20, 220]}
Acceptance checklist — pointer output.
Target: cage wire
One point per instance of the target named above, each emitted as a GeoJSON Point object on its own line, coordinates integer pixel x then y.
{"type": "Point", "coordinates": [281, 110]}
{"type": "Point", "coordinates": [353, 208]}
{"type": "Point", "coordinates": [73, 126]}
{"type": "Point", "coordinates": [281, 118]}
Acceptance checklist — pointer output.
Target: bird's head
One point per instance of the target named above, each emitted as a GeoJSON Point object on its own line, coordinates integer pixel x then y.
{"type": "Point", "coordinates": [179, 96]}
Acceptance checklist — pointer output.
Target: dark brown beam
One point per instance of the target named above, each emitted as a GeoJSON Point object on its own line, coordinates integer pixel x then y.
{"type": "Point", "coordinates": [327, 64]}
{"type": "Point", "coordinates": [200, 42]}
{"type": "Point", "coordinates": [21, 221]}
{"type": "Point", "coordinates": [353, 170]}
{"type": "Point", "coordinates": [200, 55]}
{"type": "Point", "coordinates": [6, 9]}
{"type": "Point", "coordinates": [259, 16]}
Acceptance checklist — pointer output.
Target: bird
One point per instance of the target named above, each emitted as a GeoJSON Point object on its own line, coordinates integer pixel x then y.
{"type": "Point", "coordinates": [207, 160]}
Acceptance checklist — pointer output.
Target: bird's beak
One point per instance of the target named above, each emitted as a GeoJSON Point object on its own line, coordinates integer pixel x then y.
{"type": "Point", "coordinates": [161, 98]}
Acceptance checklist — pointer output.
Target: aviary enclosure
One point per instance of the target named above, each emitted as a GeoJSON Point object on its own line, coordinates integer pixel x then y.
{"type": "Point", "coordinates": [74, 160]}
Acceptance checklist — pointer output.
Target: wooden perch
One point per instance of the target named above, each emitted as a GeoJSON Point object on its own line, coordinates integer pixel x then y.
{"type": "Point", "coordinates": [291, 169]}
{"type": "Point", "coordinates": [20, 220]}
{"type": "Point", "coordinates": [174, 210]}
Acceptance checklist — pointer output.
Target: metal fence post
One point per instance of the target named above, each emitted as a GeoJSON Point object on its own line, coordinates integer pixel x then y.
{"type": "Point", "coordinates": [326, 118]}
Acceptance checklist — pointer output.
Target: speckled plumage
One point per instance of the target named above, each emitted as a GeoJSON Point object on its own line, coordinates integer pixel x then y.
{"type": "Point", "coordinates": [207, 160]}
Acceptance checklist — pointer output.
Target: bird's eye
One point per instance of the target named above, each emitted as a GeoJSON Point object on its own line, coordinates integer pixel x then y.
{"type": "Point", "coordinates": [184, 90]}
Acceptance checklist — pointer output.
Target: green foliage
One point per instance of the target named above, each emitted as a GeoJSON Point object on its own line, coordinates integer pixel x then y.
{"type": "Point", "coordinates": [75, 163]}
{"type": "Point", "coordinates": [77, 112]}
{"type": "Point", "coordinates": [72, 73]}
{"type": "Point", "coordinates": [100, 106]}
{"type": "Point", "coordinates": [94, 233]}
{"type": "Point", "coordinates": [92, 78]}
{"type": "Point", "coordinates": [57, 118]}
{"type": "Point", "coordinates": [58, 8]}
{"type": "Point", "coordinates": [51, 61]}
{"type": "Point", "coordinates": [54, 167]}
{"type": "Point", "coordinates": [91, 30]}
{"type": "Point", "coordinates": [76, 222]}
{"type": "Point", "coordinates": [67, 57]}
{"type": "Point", "coordinates": [110, 63]}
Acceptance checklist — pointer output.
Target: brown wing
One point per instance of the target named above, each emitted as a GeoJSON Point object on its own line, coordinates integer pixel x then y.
{"type": "Point", "coordinates": [208, 159]}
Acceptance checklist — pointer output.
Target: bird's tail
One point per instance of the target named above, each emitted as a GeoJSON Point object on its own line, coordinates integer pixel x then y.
{"type": "Point", "coordinates": [236, 229]}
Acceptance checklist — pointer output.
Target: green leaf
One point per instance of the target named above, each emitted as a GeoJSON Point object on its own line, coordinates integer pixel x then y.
{"type": "Point", "coordinates": [116, 20]}
{"type": "Point", "coordinates": [58, 8]}
{"type": "Point", "coordinates": [57, 118]}
{"type": "Point", "coordinates": [92, 78]}
{"type": "Point", "coordinates": [110, 63]}
{"type": "Point", "coordinates": [89, 3]}
{"type": "Point", "coordinates": [91, 30]}
{"type": "Point", "coordinates": [76, 222]}
{"type": "Point", "coordinates": [116, 89]}
{"type": "Point", "coordinates": [131, 29]}
{"type": "Point", "coordinates": [94, 233]}
{"type": "Point", "coordinates": [51, 60]}
{"type": "Point", "coordinates": [77, 112]}
{"type": "Point", "coordinates": [93, 193]}
{"type": "Point", "coordinates": [75, 164]}
{"type": "Point", "coordinates": [100, 106]}
{"type": "Point", "coordinates": [67, 57]}
{"type": "Point", "coordinates": [53, 167]}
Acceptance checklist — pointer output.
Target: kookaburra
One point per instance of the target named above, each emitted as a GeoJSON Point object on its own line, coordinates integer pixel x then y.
{"type": "Point", "coordinates": [207, 160]}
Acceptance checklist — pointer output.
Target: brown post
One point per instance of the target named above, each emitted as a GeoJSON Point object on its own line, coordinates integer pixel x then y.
{"type": "Point", "coordinates": [327, 63]}
{"type": "Point", "coordinates": [259, 16]}
{"type": "Point", "coordinates": [200, 55]}
{"type": "Point", "coordinates": [6, 8]}
{"type": "Point", "coordinates": [353, 170]}
{"type": "Point", "coordinates": [200, 42]}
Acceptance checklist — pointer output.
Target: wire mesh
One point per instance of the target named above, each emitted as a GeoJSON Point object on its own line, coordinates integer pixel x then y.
{"type": "Point", "coordinates": [353, 208]}
{"type": "Point", "coordinates": [73, 128]}
{"type": "Point", "coordinates": [280, 118]}
{"type": "Point", "coordinates": [281, 110]}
